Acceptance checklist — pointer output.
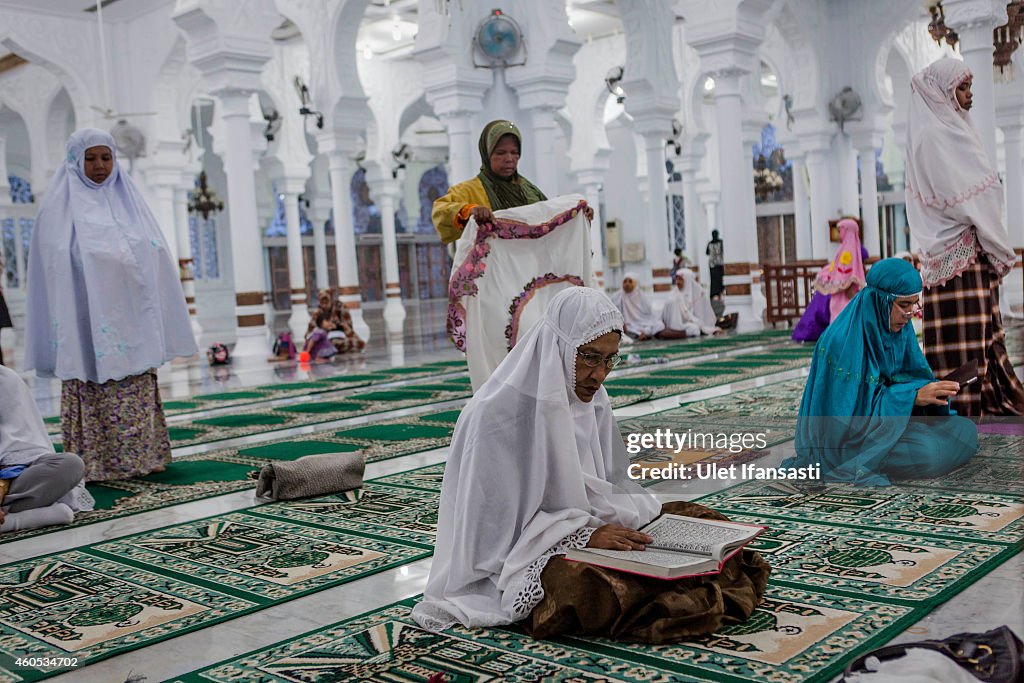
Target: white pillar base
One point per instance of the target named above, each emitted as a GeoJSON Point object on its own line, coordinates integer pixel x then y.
{"type": "Point", "coordinates": [252, 342]}
{"type": "Point", "coordinates": [197, 329]}
{"type": "Point", "coordinates": [397, 349]}
{"type": "Point", "coordinates": [394, 319]}
{"type": "Point", "coordinates": [298, 321]}
{"type": "Point", "coordinates": [749, 320]}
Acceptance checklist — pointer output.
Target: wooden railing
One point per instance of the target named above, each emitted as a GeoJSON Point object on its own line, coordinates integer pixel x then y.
{"type": "Point", "coordinates": [788, 288]}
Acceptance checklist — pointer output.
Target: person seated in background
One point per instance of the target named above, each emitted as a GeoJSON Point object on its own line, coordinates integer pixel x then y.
{"type": "Point", "coordinates": [843, 276]}
{"type": "Point", "coordinates": [867, 379]}
{"type": "Point", "coordinates": [38, 487]}
{"type": "Point", "coordinates": [688, 308]}
{"type": "Point", "coordinates": [345, 339]}
{"type": "Point", "coordinates": [641, 323]}
{"type": "Point", "coordinates": [538, 467]}
{"type": "Point", "coordinates": [318, 344]}
{"type": "Point", "coordinates": [343, 336]}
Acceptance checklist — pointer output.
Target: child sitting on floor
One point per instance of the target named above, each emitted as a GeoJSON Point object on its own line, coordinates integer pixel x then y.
{"type": "Point", "coordinates": [318, 345]}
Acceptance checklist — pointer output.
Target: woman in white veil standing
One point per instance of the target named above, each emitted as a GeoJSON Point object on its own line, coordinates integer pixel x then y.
{"type": "Point", "coordinates": [955, 211]}
{"type": "Point", "coordinates": [538, 467]}
{"type": "Point", "coordinates": [104, 309]}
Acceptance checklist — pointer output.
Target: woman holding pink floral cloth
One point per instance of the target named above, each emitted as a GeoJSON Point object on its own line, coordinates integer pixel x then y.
{"type": "Point", "coordinates": [843, 276]}
{"type": "Point", "coordinates": [955, 212]}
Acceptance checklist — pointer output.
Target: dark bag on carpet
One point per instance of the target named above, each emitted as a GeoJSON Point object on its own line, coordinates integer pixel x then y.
{"type": "Point", "coordinates": [996, 656]}
{"type": "Point", "coordinates": [312, 475]}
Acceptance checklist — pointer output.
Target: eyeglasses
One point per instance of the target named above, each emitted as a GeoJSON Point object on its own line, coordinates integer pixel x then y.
{"type": "Point", "coordinates": [592, 360]}
{"type": "Point", "coordinates": [909, 309]}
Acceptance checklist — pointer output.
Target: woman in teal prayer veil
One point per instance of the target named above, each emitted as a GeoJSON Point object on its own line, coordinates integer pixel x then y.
{"type": "Point", "coordinates": [867, 379]}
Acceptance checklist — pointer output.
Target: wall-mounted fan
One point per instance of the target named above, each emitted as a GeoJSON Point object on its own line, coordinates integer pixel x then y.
{"type": "Point", "coordinates": [498, 40]}
{"type": "Point", "coordinates": [844, 107]}
{"type": "Point", "coordinates": [130, 142]}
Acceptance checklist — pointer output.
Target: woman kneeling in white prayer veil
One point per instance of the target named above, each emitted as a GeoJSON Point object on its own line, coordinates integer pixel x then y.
{"type": "Point", "coordinates": [538, 467]}
{"type": "Point", "coordinates": [38, 487]}
{"type": "Point", "coordinates": [688, 307]}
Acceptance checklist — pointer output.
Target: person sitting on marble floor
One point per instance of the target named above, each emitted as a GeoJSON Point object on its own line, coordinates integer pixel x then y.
{"type": "Point", "coordinates": [641, 323]}
{"type": "Point", "coordinates": [343, 336]}
{"type": "Point", "coordinates": [318, 344]}
{"type": "Point", "coordinates": [867, 379]}
{"type": "Point", "coordinates": [38, 487]}
{"type": "Point", "coordinates": [688, 308]}
{"type": "Point", "coordinates": [537, 467]}
{"type": "Point", "coordinates": [843, 276]}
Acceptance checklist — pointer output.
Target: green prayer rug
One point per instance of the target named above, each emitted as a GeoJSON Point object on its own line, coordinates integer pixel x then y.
{"type": "Point", "coordinates": [246, 422]}
{"type": "Point", "coordinates": [794, 636]}
{"type": "Point", "coordinates": [997, 518]}
{"type": "Point", "coordinates": [106, 598]}
{"type": "Point", "coordinates": [227, 470]}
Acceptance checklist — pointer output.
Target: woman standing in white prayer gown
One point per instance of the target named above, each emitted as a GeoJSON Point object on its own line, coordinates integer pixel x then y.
{"type": "Point", "coordinates": [104, 309]}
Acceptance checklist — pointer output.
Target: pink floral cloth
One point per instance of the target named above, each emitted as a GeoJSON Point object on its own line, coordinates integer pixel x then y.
{"type": "Point", "coordinates": [843, 276]}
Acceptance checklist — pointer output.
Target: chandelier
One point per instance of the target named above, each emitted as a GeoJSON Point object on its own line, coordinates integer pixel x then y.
{"type": "Point", "coordinates": [937, 28]}
{"type": "Point", "coordinates": [1005, 39]}
{"type": "Point", "coordinates": [204, 199]}
{"type": "Point", "coordinates": [1008, 37]}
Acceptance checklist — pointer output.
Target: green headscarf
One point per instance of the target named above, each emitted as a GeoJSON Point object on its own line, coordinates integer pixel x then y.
{"type": "Point", "coordinates": [504, 193]}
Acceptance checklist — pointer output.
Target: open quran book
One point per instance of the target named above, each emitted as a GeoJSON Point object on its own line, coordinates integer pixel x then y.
{"type": "Point", "coordinates": [683, 546]}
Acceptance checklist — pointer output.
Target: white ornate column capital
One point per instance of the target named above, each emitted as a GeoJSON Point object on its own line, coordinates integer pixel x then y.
{"type": "Point", "coordinates": [227, 42]}
{"type": "Point", "coordinates": [966, 15]}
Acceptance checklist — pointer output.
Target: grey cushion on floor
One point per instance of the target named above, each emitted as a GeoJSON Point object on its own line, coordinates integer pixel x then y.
{"type": "Point", "coordinates": [312, 475]}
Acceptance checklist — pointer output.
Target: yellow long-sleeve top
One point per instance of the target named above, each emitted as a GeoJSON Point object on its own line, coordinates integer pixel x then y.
{"type": "Point", "coordinates": [451, 212]}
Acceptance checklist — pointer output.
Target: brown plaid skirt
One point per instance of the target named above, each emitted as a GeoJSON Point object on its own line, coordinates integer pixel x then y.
{"type": "Point", "coordinates": [961, 322]}
{"type": "Point", "coordinates": [585, 599]}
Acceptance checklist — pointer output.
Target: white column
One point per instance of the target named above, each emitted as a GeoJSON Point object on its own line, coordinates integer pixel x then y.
{"type": "Point", "coordinates": [820, 205]}
{"type": "Point", "coordinates": [463, 156]}
{"type": "Point", "coordinates": [869, 202]}
{"type": "Point", "coordinates": [846, 157]}
{"type": "Point", "coordinates": [384, 190]}
{"type": "Point", "coordinates": [1014, 184]}
{"type": "Point", "coordinates": [696, 237]}
{"type": "Point", "coordinates": [659, 249]}
{"type": "Point", "coordinates": [734, 168]}
{"type": "Point", "coordinates": [345, 240]}
{"type": "Point", "coordinates": [185, 258]}
{"type": "Point", "coordinates": [320, 254]}
{"type": "Point", "coordinates": [709, 199]}
{"type": "Point", "coordinates": [164, 194]}
{"type": "Point", "coordinates": [592, 191]}
{"type": "Point", "coordinates": [801, 211]}
{"type": "Point", "coordinates": [5, 188]}
{"type": "Point", "coordinates": [543, 120]}
{"type": "Point", "coordinates": [974, 20]}
{"type": "Point", "coordinates": [298, 321]}
{"type": "Point", "coordinates": [246, 249]}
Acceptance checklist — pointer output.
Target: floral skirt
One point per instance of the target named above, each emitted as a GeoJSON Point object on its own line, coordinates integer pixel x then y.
{"type": "Point", "coordinates": [117, 427]}
{"type": "Point", "coordinates": [588, 600]}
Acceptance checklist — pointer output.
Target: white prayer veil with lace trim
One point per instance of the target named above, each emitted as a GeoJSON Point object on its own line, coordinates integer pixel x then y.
{"type": "Point", "coordinates": [533, 470]}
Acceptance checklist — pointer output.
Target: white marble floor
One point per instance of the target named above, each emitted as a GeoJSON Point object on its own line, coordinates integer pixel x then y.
{"type": "Point", "coordinates": [996, 599]}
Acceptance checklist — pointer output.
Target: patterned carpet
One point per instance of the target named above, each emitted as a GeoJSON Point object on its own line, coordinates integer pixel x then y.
{"type": "Point", "coordinates": [770, 408]}
{"type": "Point", "coordinates": [227, 470]}
{"type": "Point", "coordinates": [852, 568]}
{"type": "Point", "coordinates": [648, 354]}
{"type": "Point", "coordinates": [98, 600]}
